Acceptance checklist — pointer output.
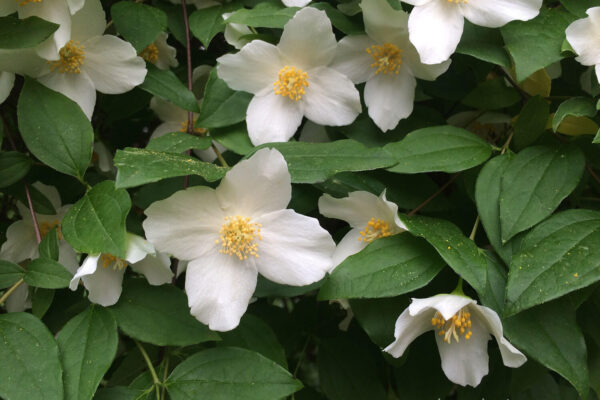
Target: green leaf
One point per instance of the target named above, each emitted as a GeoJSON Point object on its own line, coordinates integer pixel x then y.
{"type": "Point", "coordinates": [264, 15]}
{"type": "Point", "coordinates": [339, 20]}
{"type": "Point", "coordinates": [226, 373]}
{"type": "Point", "coordinates": [234, 138]}
{"type": "Point", "coordinates": [549, 334]}
{"type": "Point", "coordinates": [166, 85]}
{"type": "Point", "coordinates": [138, 23]}
{"type": "Point", "coordinates": [117, 393]}
{"type": "Point", "coordinates": [49, 245]}
{"type": "Point", "coordinates": [40, 203]}
{"type": "Point", "coordinates": [88, 344]}
{"type": "Point", "coordinates": [47, 273]}
{"type": "Point", "coordinates": [596, 139]}
{"type": "Point", "coordinates": [55, 129]}
{"type": "Point", "coordinates": [493, 296]}
{"type": "Point", "coordinates": [485, 44]}
{"type": "Point", "coordinates": [41, 300]}
{"type": "Point", "coordinates": [13, 167]}
{"type": "Point", "coordinates": [491, 95]}
{"type": "Point", "coordinates": [440, 148]}
{"type": "Point", "coordinates": [10, 273]}
{"type": "Point", "coordinates": [254, 334]}
{"type": "Point", "coordinates": [378, 317]}
{"type": "Point", "coordinates": [30, 367]}
{"type": "Point", "coordinates": [575, 106]}
{"type": "Point", "coordinates": [531, 122]}
{"type": "Point", "coordinates": [460, 252]}
{"type": "Point", "coordinates": [535, 44]}
{"type": "Point", "coordinates": [578, 7]}
{"type": "Point", "coordinates": [23, 33]}
{"type": "Point", "coordinates": [96, 223]}
{"type": "Point", "coordinates": [315, 162]}
{"type": "Point", "coordinates": [178, 142]}
{"type": "Point", "coordinates": [158, 315]}
{"type": "Point", "coordinates": [221, 106]}
{"type": "Point", "coordinates": [206, 23]}
{"type": "Point", "coordinates": [535, 182]}
{"type": "Point", "coordinates": [558, 256]}
{"type": "Point", "coordinates": [386, 267]}
{"type": "Point", "coordinates": [140, 166]}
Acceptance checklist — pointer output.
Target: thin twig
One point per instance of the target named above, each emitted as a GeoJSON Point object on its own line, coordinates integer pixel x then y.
{"type": "Point", "coordinates": [165, 373]}
{"type": "Point", "coordinates": [507, 143]}
{"type": "Point", "coordinates": [157, 383]}
{"type": "Point", "coordinates": [38, 235]}
{"type": "Point", "coordinates": [524, 95]}
{"type": "Point", "coordinates": [9, 291]}
{"type": "Point", "coordinates": [433, 196]}
{"type": "Point", "coordinates": [474, 230]}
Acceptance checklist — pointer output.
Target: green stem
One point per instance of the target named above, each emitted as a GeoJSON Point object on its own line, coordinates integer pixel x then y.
{"type": "Point", "coordinates": [474, 230]}
{"type": "Point", "coordinates": [157, 383]}
{"type": "Point", "coordinates": [458, 290]}
{"type": "Point", "coordinates": [9, 291]}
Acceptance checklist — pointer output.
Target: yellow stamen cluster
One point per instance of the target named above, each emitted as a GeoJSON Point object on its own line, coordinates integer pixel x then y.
{"type": "Point", "coordinates": [238, 236]}
{"type": "Point", "coordinates": [46, 227]}
{"type": "Point", "coordinates": [71, 58]}
{"type": "Point", "coordinates": [292, 83]}
{"type": "Point", "coordinates": [150, 53]}
{"type": "Point", "coordinates": [387, 58]}
{"type": "Point", "coordinates": [458, 325]}
{"type": "Point", "coordinates": [109, 259]}
{"type": "Point", "coordinates": [458, 1]}
{"type": "Point", "coordinates": [196, 131]}
{"type": "Point", "coordinates": [23, 2]}
{"type": "Point", "coordinates": [375, 229]}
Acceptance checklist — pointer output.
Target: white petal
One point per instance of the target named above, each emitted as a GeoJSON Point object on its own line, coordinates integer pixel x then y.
{"type": "Point", "coordinates": [313, 133]}
{"type": "Point", "coordinates": [308, 40]}
{"type": "Point", "coordinates": [113, 64]}
{"type": "Point", "coordinates": [105, 157]}
{"type": "Point", "coordinates": [88, 267]}
{"type": "Point", "coordinates": [253, 69]}
{"type": "Point", "coordinates": [67, 256]}
{"type": "Point", "coordinates": [156, 269]}
{"type": "Point", "coordinates": [209, 154]}
{"type": "Point", "coordinates": [185, 224]}
{"type": "Point", "coordinates": [435, 30]}
{"type": "Point", "coordinates": [352, 59]}
{"type": "Point", "coordinates": [272, 118]}
{"type": "Point", "coordinates": [77, 87]}
{"type": "Point", "coordinates": [19, 300]}
{"type": "Point", "coordinates": [465, 362]}
{"type": "Point", "coordinates": [88, 22]}
{"type": "Point", "coordinates": [168, 112]}
{"type": "Point", "coordinates": [583, 35]}
{"type": "Point", "coordinates": [55, 11]}
{"type": "Point", "coordinates": [75, 5]}
{"type": "Point", "coordinates": [20, 244]}
{"type": "Point", "coordinates": [167, 55]}
{"type": "Point", "coordinates": [417, 2]}
{"type": "Point", "coordinates": [104, 285]}
{"type": "Point", "coordinates": [411, 60]}
{"type": "Point", "coordinates": [382, 22]}
{"type": "Point", "coordinates": [294, 249]}
{"type": "Point", "coordinates": [496, 13]}
{"type": "Point", "coordinates": [408, 328]}
{"type": "Point", "coordinates": [137, 248]}
{"type": "Point", "coordinates": [8, 7]}
{"type": "Point", "coordinates": [390, 98]}
{"type": "Point", "coordinates": [7, 80]}
{"type": "Point", "coordinates": [164, 128]}
{"type": "Point", "coordinates": [597, 69]}
{"type": "Point", "coordinates": [349, 245]}
{"type": "Point", "coordinates": [256, 186]}
{"type": "Point", "coordinates": [23, 62]}
{"type": "Point", "coordinates": [446, 304]}
{"type": "Point", "coordinates": [219, 288]}
{"type": "Point", "coordinates": [331, 98]}
{"type": "Point", "coordinates": [295, 3]}
{"type": "Point", "coordinates": [510, 355]}
{"type": "Point", "coordinates": [51, 193]}
{"type": "Point", "coordinates": [200, 76]}
{"type": "Point", "coordinates": [234, 32]}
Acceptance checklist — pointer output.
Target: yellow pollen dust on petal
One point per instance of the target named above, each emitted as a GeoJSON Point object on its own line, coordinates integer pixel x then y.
{"type": "Point", "coordinates": [292, 83]}
{"type": "Point", "coordinates": [196, 131]}
{"type": "Point", "coordinates": [458, 1]}
{"type": "Point", "coordinates": [116, 262]}
{"type": "Point", "coordinates": [23, 2]}
{"type": "Point", "coordinates": [238, 237]}
{"type": "Point", "coordinates": [47, 226]}
{"type": "Point", "coordinates": [150, 53]}
{"type": "Point", "coordinates": [387, 58]}
{"type": "Point", "coordinates": [71, 59]}
{"type": "Point", "coordinates": [375, 229]}
{"type": "Point", "coordinates": [458, 325]}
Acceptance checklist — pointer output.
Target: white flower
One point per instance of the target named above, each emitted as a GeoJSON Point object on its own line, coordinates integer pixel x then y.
{"type": "Point", "coordinates": [7, 80]}
{"type": "Point", "coordinates": [436, 26]}
{"type": "Point", "coordinates": [102, 274]}
{"type": "Point", "coordinates": [583, 36]}
{"type": "Point", "coordinates": [387, 61]}
{"type": "Point", "coordinates": [21, 243]}
{"type": "Point", "coordinates": [104, 158]}
{"type": "Point", "coordinates": [462, 330]}
{"type": "Point", "coordinates": [234, 33]}
{"type": "Point", "coordinates": [292, 80]}
{"type": "Point", "coordinates": [295, 3]}
{"type": "Point", "coordinates": [160, 53]}
{"type": "Point", "coordinates": [232, 233]}
{"type": "Point", "coordinates": [89, 61]}
{"type": "Point", "coordinates": [370, 217]}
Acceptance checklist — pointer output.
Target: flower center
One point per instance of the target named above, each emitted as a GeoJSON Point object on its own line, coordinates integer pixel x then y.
{"type": "Point", "coordinates": [375, 229]}
{"type": "Point", "coordinates": [23, 2]}
{"type": "Point", "coordinates": [292, 83]}
{"type": "Point", "coordinates": [196, 131]}
{"type": "Point", "coordinates": [458, 325]}
{"type": "Point", "coordinates": [116, 262]}
{"type": "Point", "coordinates": [387, 58]}
{"type": "Point", "coordinates": [46, 227]}
{"type": "Point", "coordinates": [458, 1]}
{"type": "Point", "coordinates": [150, 53]}
{"type": "Point", "coordinates": [238, 235]}
{"type": "Point", "coordinates": [71, 58]}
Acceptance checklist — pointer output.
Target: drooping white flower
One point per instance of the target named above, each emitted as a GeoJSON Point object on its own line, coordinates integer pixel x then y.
{"type": "Point", "coordinates": [436, 26]}
{"type": "Point", "coordinates": [295, 3]}
{"type": "Point", "coordinates": [387, 61]}
{"type": "Point", "coordinates": [292, 80]}
{"type": "Point", "coordinates": [160, 53]}
{"type": "Point", "coordinates": [89, 61]}
{"type": "Point", "coordinates": [232, 233]}
{"type": "Point", "coordinates": [462, 330]}
{"type": "Point", "coordinates": [583, 36]}
{"type": "Point", "coordinates": [21, 243]}
{"type": "Point", "coordinates": [234, 33]}
{"type": "Point", "coordinates": [7, 80]}
{"type": "Point", "coordinates": [370, 216]}
{"type": "Point", "coordinates": [102, 274]}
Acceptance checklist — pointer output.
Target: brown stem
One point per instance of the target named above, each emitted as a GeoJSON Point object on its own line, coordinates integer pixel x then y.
{"type": "Point", "coordinates": [433, 196]}
{"type": "Point", "coordinates": [38, 235]}
{"type": "Point", "coordinates": [592, 173]}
